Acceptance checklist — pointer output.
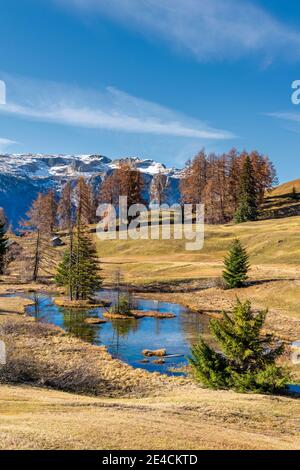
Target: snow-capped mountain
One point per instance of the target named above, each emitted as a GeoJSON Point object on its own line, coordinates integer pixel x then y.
{"type": "Point", "coordinates": [22, 176]}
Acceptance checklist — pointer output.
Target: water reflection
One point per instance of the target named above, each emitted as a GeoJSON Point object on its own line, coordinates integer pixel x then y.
{"type": "Point", "coordinates": [126, 339]}
{"type": "Point", "coordinates": [121, 331]}
{"type": "Point", "coordinates": [73, 322]}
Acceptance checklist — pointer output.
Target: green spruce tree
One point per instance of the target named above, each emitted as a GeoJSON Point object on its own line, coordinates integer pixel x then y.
{"type": "Point", "coordinates": [247, 201]}
{"type": "Point", "coordinates": [64, 274]}
{"type": "Point", "coordinates": [79, 270]}
{"type": "Point", "coordinates": [3, 247]}
{"type": "Point", "coordinates": [236, 266]}
{"type": "Point", "coordinates": [248, 358]}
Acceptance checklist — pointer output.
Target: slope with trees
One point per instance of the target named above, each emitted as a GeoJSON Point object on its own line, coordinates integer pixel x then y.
{"type": "Point", "coordinates": [219, 182]}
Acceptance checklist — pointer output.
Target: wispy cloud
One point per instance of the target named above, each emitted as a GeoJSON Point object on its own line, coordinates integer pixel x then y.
{"type": "Point", "coordinates": [287, 116]}
{"type": "Point", "coordinates": [209, 29]}
{"type": "Point", "coordinates": [111, 110]}
{"type": "Point", "coordinates": [4, 143]}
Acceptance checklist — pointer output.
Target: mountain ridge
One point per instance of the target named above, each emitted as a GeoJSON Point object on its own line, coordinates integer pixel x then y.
{"type": "Point", "coordinates": [22, 176]}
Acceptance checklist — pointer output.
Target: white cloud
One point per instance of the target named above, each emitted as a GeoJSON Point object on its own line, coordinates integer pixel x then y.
{"type": "Point", "coordinates": [293, 117]}
{"type": "Point", "coordinates": [110, 110]}
{"type": "Point", "coordinates": [290, 121]}
{"type": "Point", "coordinates": [4, 143]}
{"type": "Point", "coordinates": [209, 29]}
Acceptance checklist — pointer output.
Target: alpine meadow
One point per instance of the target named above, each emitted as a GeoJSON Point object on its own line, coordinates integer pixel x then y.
{"type": "Point", "coordinates": [149, 231]}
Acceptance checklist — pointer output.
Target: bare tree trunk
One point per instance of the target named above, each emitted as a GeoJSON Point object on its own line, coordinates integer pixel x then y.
{"type": "Point", "coordinates": [70, 263]}
{"type": "Point", "coordinates": [36, 258]}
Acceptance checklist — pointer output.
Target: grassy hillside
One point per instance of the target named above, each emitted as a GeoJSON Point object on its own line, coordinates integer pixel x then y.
{"type": "Point", "coordinates": [269, 242]}
{"type": "Point", "coordinates": [286, 188]}
{"type": "Point", "coordinates": [194, 418]}
{"type": "Point", "coordinates": [273, 245]}
{"type": "Point", "coordinates": [281, 202]}
{"type": "Point", "coordinates": [158, 415]}
{"type": "Point", "coordinates": [274, 248]}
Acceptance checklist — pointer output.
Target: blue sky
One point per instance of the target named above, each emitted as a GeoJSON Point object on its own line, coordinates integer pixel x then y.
{"type": "Point", "coordinates": [151, 78]}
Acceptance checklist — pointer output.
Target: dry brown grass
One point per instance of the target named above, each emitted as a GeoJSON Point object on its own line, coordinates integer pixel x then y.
{"type": "Point", "coordinates": [273, 245]}
{"type": "Point", "coordinates": [135, 409]}
{"type": "Point", "coordinates": [213, 301]}
{"type": "Point", "coordinates": [42, 354]}
{"type": "Point", "coordinates": [141, 410]}
{"type": "Point", "coordinates": [184, 418]}
{"type": "Point", "coordinates": [14, 305]}
{"type": "Point", "coordinates": [77, 304]}
{"type": "Point", "coordinates": [286, 188]}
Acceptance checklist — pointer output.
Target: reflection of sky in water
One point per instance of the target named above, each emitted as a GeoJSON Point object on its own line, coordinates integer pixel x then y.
{"type": "Point", "coordinates": [294, 388]}
{"type": "Point", "coordinates": [125, 339]}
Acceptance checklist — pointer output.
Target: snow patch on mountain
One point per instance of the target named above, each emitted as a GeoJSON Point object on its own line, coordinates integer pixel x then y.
{"type": "Point", "coordinates": [22, 176]}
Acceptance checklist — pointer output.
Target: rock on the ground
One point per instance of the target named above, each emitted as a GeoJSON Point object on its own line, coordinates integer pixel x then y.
{"type": "Point", "coordinates": [156, 353]}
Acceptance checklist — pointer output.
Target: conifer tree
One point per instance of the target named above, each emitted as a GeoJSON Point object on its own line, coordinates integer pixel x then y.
{"type": "Point", "coordinates": [247, 200]}
{"type": "Point", "coordinates": [215, 181]}
{"type": "Point", "coordinates": [236, 266]}
{"type": "Point", "coordinates": [158, 187]}
{"type": "Point", "coordinates": [64, 276]}
{"type": "Point", "coordinates": [50, 208]}
{"type": "Point", "coordinates": [110, 189]}
{"type": "Point", "coordinates": [66, 218]}
{"type": "Point", "coordinates": [3, 247]}
{"type": "Point", "coordinates": [85, 201]}
{"type": "Point", "coordinates": [129, 182]}
{"type": "Point", "coordinates": [294, 194]}
{"type": "Point", "coordinates": [248, 358]}
{"type": "Point", "coordinates": [134, 185]}
{"type": "Point", "coordinates": [39, 222]}
{"type": "Point", "coordinates": [65, 209]}
{"type": "Point", "coordinates": [79, 270]}
{"type": "Point", "coordinates": [125, 181]}
{"type": "Point", "coordinates": [3, 218]}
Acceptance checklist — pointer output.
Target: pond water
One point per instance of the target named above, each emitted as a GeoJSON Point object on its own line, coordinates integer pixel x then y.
{"type": "Point", "coordinates": [294, 388]}
{"type": "Point", "coordinates": [126, 339]}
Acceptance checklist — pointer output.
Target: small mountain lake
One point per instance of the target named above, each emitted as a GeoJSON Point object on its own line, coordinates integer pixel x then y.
{"type": "Point", "coordinates": [126, 339]}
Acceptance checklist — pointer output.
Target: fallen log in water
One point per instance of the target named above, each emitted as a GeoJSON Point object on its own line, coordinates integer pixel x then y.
{"type": "Point", "coordinates": [170, 356]}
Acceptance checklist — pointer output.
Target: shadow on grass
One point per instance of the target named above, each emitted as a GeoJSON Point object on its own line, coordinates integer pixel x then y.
{"type": "Point", "coordinates": [179, 286]}
{"type": "Point", "coordinates": [258, 282]}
